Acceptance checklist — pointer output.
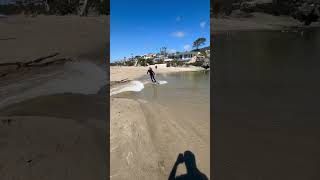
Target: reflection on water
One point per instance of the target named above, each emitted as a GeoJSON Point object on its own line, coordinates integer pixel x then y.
{"type": "Point", "coordinates": [266, 114]}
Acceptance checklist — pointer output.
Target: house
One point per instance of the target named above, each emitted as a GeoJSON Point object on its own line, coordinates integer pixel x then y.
{"type": "Point", "coordinates": [168, 60]}
{"type": "Point", "coordinates": [183, 56]}
{"type": "Point", "coordinates": [149, 56]}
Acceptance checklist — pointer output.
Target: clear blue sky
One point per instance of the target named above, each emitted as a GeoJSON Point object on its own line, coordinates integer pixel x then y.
{"type": "Point", "coordinates": [144, 26]}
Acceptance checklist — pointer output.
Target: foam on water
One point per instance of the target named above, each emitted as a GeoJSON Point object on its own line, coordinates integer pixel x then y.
{"type": "Point", "coordinates": [162, 82]}
{"type": "Point", "coordinates": [135, 86]}
{"type": "Point", "coordinates": [158, 82]}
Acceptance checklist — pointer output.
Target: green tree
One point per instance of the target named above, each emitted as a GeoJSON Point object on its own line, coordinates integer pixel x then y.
{"type": "Point", "coordinates": [174, 62]}
{"type": "Point", "coordinates": [199, 42]}
{"type": "Point", "coordinates": [150, 61]}
{"type": "Point", "coordinates": [142, 62]}
{"type": "Point", "coordinates": [161, 61]}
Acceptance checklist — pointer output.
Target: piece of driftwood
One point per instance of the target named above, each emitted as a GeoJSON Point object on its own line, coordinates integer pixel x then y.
{"type": "Point", "coordinates": [122, 81]}
{"type": "Point", "coordinates": [28, 63]}
{"type": "Point", "coordinates": [17, 64]}
{"type": "Point", "coordinates": [119, 82]}
{"type": "Point", "coordinates": [55, 61]}
{"type": "Point", "coordinates": [9, 67]}
{"type": "Point", "coordinates": [5, 39]}
{"type": "Point", "coordinates": [40, 59]}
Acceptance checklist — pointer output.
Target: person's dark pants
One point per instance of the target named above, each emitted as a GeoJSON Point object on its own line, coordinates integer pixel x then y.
{"type": "Point", "coordinates": [152, 78]}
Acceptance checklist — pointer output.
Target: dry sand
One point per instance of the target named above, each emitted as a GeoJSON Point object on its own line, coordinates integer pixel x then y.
{"type": "Point", "coordinates": [44, 133]}
{"type": "Point", "coordinates": [118, 73]}
{"type": "Point", "coordinates": [145, 141]}
{"type": "Point", "coordinates": [26, 38]}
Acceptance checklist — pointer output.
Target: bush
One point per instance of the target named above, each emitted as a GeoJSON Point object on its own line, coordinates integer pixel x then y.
{"type": "Point", "coordinates": [150, 61]}
{"type": "Point", "coordinates": [161, 61]}
{"type": "Point", "coordinates": [197, 63]}
{"type": "Point", "coordinates": [142, 62]}
{"type": "Point", "coordinates": [130, 63]}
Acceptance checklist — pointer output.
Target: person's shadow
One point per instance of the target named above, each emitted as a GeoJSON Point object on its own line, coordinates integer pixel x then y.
{"type": "Point", "coordinates": [192, 171]}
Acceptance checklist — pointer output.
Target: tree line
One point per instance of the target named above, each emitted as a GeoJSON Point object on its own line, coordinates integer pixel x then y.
{"type": "Point", "coordinates": [57, 7]}
{"type": "Point", "coordinates": [306, 11]}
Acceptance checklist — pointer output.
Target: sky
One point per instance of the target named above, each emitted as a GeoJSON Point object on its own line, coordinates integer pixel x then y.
{"type": "Point", "coordinates": [138, 27]}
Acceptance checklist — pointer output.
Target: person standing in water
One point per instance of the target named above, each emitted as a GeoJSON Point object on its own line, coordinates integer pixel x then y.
{"type": "Point", "coordinates": [151, 73]}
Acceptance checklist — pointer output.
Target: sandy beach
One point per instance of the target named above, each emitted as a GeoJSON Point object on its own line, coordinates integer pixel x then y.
{"type": "Point", "coordinates": [118, 73]}
{"type": "Point", "coordinates": [256, 21]}
{"type": "Point", "coordinates": [53, 117]}
{"type": "Point", "coordinates": [26, 38]}
{"type": "Point", "coordinates": [146, 137]}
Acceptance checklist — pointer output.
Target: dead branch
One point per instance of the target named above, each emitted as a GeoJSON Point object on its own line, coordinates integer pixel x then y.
{"type": "Point", "coordinates": [34, 63]}
{"type": "Point", "coordinates": [40, 59]}
{"type": "Point", "coordinates": [56, 61]}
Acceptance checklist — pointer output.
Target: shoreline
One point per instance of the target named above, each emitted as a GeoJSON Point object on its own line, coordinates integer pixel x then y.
{"type": "Point", "coordinates": [121, 75]}
{"type": "Point", "coordinates": [257, 22]}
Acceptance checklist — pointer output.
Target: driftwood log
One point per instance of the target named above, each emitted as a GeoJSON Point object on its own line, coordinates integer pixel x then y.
{"type": "Point", "coordinates": [112, 83]}
{"type": "Point", "coordinates": [39, 62]}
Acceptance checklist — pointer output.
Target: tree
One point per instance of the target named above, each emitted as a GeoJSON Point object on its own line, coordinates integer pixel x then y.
{"type": "Point", "coordinates": [199, 42]}
{"type": "Point", "coordinates": [161, 61]}
{"type": "Point", "coordinates": [142, 62]}
{"type": "Point", "coordinates": [150, 61]}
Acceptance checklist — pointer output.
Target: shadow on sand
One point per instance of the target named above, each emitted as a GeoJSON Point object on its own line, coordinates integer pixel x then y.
{"type": "Point", "coordinates": [192, 171]}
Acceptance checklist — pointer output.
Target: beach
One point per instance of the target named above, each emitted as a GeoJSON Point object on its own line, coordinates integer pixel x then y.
{"type": "Point", "coordinates": [53, 115]}
{"type": "Point", "coordinates": [149, 130]}
{"type": "Point", "coordinates": [118, 73]}
{"type": "Point", "coordinates": [256, 21]}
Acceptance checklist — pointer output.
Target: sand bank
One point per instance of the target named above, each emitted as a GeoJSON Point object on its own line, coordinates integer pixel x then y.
{"type": "Point", "coordinates": [257, 21]}
{"type": "Point", "coordinates": [118, 73]}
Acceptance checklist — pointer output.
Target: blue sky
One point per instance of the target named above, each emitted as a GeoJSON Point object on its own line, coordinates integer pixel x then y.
{"type": "Point", "coordinates": [138, 27]}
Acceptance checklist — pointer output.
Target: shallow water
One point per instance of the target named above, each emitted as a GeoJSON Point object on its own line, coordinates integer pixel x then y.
{"type": "Point", "coordinates": [266, 105]}
{"type": "Point", "coordinates": [179, 91]}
